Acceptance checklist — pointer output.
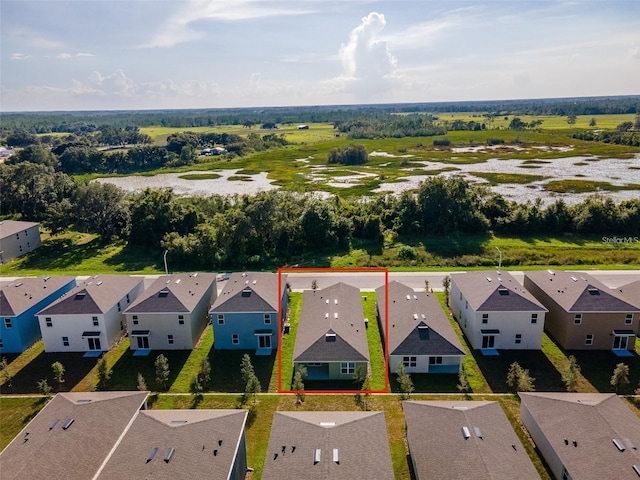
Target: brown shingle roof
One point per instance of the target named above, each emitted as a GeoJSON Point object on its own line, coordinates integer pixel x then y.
{"type": "Point", "coordinates": [173, 293]}
{"type": "Point", "coordinates": [407, 309]}
{"type": "Point", "coordinates": [440, 450]}
{"type": "Point", "coordinates": [264, 293]}
{"type": "Point", "coordinates": [631, 292]}
{"type": "Point", "coordinates": [23, 293]}
{"type": "Point", "coordinates": [318, 318]}
{"type": "Point", "coordinates": [11, 227]}
{"type": "Point", "coordinates": [496, 292]}
{"type": "Point", "coordinates": [359, 439]}
{"type": "Point", "coordinates": [593, 420]}
{"type": "Point", "coordinates": [579, 292]}
{"type": "Point", "coordinates": [44, 449]}
{"type": "Point", "coordinates": [97, 294]}
{"type": "Point", "coordinates": [193, 434]}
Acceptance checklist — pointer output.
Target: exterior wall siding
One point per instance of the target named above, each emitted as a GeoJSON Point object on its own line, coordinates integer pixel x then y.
{"type": "Point", "coordinates": [548, 453]}
{"type": "Point", "coordinates": [245, 326]}
{"type": "Point", "coordinates": [15, 246]}
{"type": "Point", "coordinates": [422, 364]}
{"type": "Point", "coordinates": [72, 327]}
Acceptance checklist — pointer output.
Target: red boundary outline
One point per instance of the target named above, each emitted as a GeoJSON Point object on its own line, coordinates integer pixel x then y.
{"type": "Point", "coordinates": [386, 322]}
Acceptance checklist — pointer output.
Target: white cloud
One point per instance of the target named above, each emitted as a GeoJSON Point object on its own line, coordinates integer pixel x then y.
{"type": "Point", "coordinates": [81, 54]}
{"type": "Point", "coordinates": [19, 56]}
{"type": "Point", "coordinates": [64, 55]}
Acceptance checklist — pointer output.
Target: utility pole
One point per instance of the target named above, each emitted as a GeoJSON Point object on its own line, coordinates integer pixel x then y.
{"type": "Point", "coordinates": [166, 270]}
{"type": "Point", "coordinates": [500, 263]}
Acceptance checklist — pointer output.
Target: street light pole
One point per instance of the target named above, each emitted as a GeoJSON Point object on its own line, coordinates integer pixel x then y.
{"type": "Point", "coordinates": [166, 270]}
{"type": "Point", "coordinates": [499, 264]}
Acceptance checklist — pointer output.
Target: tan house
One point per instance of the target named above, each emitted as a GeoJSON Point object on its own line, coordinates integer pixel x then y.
{"type": "Point", "coordinates": [584, 314]}
{"type": "Point", "coordinates": [586, 436]}
{"type": "Point", "coordinates": [17, 238]}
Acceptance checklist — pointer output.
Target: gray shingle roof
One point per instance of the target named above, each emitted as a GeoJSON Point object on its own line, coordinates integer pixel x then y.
{"type": "Point", "coordinates": [11, 227]}
{"type": "Point", "coordinates": [52, 452]}
{"type": "Point", "coordinates": [21, 294]}
{"type": "Point", "coordinates": [360, 439]}
{"type": "Point", "coordinates": [318, 318]}
{"type": "Point", "coordinates": [409, 310]}
{"type": "Point", "coordinates": [261, 293]}
{"type": "Point", "coordinates": [593, 420]}
{"type": "Point", "coordinates": [97, 295]}
{"type": "Point", "coordinates": [579, 292]}
{"type": "Point", "coordinates": [173, 293]}
{"type": "Point", "coordinates": [440, 450]}
{"type": "Point", "coordinates": [631, 292]}
{"type": "Point", "coordinates": [194, 434]}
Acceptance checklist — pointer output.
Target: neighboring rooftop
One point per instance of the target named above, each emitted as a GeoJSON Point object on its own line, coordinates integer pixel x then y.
{"type": "Point", "coordinates": [631, 292]}
{"type": "Point", "coordinates": [11, 227]}
{"type": "Point", "coordinates": [173, 293]}
{"type": "Point", "coordinates": [464, 439]}
{"type": "Point", "coordinates": [250, 292]}
{"type": "Point", "coordinates": [328, 445]}
{"type": "Point", "coordinates": [495, 291]}
{"type": "Point", "coordinates": [21, 294]}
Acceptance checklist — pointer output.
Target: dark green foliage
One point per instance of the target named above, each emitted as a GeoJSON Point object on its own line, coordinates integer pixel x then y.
{"type": "Point", "coordinates": [352, 154]}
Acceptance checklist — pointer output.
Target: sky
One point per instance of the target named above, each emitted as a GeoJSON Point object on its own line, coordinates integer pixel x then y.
{"type": "Point", "coordinates": [161, 54]}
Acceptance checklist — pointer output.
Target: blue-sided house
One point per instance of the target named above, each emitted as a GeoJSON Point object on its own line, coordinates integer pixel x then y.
{"type": "Point", "coordinates": [20, 300]}
{"type": "Point", "coordinates": [245, 314]}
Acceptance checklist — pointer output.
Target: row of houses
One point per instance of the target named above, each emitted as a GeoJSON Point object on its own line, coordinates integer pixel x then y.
{"type": "Point", "coordinates": [580, 436]}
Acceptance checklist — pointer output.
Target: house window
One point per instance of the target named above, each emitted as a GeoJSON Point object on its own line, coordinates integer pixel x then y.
{"type": "Point", "coordinates": [485, 318]}
{"type": "Point", "coordinates": [65, 341]}
{"type": "Point", "coordinates": [121, 325]}
{"type": "Point", "coordinates": [48, 322]}
{"type": "Point", "coordinates": [119, 309]}
{"type": "Point", "coordinates": [220, 319]}
{"type": "Point", "coordinates": [565, 474]}
{"type": "Point", "coordinates": [460, 296]}
{"type": "Point", "coordinates": [17, 236]}
{"type": "Point", "coordinates": [588, 340]}
{"type": "Point", "coordinates": [518, 338]}
{"type": "Point", "coordinates": [1, 343]}
{"type": "Point", "coordinates": [7, 323]}
{"type": "Point", "coordinates": [95, 321]}
{"type": "Point", "coordinates": [466, 305]}
{"type": "Point", "coordinates": [314, 364]}
{"type": "Point", "coordinates": [20, 247]}
{"type": "Point", "coordinates": [267, 319]}
{"type": "Point", "coordinates": [28, 244]}
{"type": "Point", "coordinates": [235, 339]}
{"type": "Point", "coordinates": [409, 361]}
{"type": "Point", "coordinates": [577, 319]}
{"type": "Point", "coordinates": [628, 319]}
{"type": "Point", "coordinates": [347, 368]}
{"type": "Point", "coordinates": [128, 299]}
{"type": "Point", "coordinates": [435, 360]}
{"type": "Point", "coordinates": [170, 339]}
{"type": "Point", "coordinates": [135, 322]}
{"type": "Point", "coordinates": [534, 318]}
{"type": "Point", "coordinates": [181, 319]}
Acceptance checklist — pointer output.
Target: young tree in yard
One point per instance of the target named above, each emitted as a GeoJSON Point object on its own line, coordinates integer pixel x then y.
{"type": "Point", "coordinates": [104, 374]}
{"type": "Point", "coordinates": [404, 381]}
{"type": "Point", "coordinates": [204, 374]}
{"type": "Point", "coordinates": [314, 284]}
{"type": "Point", "coordinates": [196, 389]}
{"type": "Point", "coordinates": [253, 387]}
{"type": "Point", "coordinates": [7, 376]}
{"type": "Point", "coordinates": [298, 384]}
{"type": "Point", "coordinates": [446, 284]}
{"type": "Point", "coordinates": [637, 392]}
{"type": "Point", "coordinates": [142, 384]}
{"type": "Point", "coordinates": [426, 286]}
{"type": "Point", "coordinates": [366, 388]}
{"type": "Point", "coordinates": [570, 374]}
{"type": "Point", "coordinates": [44, 388]}
{"type": "Point", "coordinates": [58, 373]}
{"type": "Point", "coordinates": [519, 379]}
{"type": "Point", "coordinates": [162, 371]}
{"type": "Point", "coordinates": [463, 383]}
{"type": "Point", "coordinates": [620, 376]}
{"type": "Point", "coordinates": [572, 118]}
{"type": "Point", "coordinates": [246, 368]}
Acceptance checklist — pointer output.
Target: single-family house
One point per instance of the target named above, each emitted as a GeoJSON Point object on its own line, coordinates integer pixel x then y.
{"type": "Point", "coordinates": [17, 238]}
{"type": "Point", "coordinates": [584, 314]}
{"type": "Point", "coordinates": [331, 341]}
{"type": "Point", "coordinates": [418, 333]}
{"type": "Point", "coordinates": [20, 301]}
{"type": "Point", "coordinates": [496, 312]}
{"type": "Point", "coordinates": [172, 313]}
{"type": "Point", "coordinates": [587, 436]}
{"type": "Point", "coordinates": [71, 437]}
{"type": "Point", "coordinates": [450, 440]}
{"type": "Point", "coordinates": [631, 292]}
{"type": "Point", "coordinates": [328, 445]}
{"type": "Point", "coordinates": [173, 444]}
{"type": "Point", "coordinates": [89, 318]}
{"type": "Point", "coordinates": [245, 314]}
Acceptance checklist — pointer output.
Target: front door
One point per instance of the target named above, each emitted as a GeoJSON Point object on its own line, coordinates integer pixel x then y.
{"type": "Point", "coordinates": [488, 341]}
{"type": "Point", "coordinates": [143, 342]}
{"type": "Point", "coordinates": [264, 341]}
{"type": "Point", "coordinates": [94, 343]}
{"type": "Point", "coordinates": [620, 343]}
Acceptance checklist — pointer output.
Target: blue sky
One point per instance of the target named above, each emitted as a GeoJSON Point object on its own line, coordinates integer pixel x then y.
{"type": "Point", "coordinates": [117, 54]}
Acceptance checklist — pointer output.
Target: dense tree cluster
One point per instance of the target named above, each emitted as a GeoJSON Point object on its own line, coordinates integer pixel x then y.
{"type": "Point", "coordinates": [617, 137]}
{"type": "Point", "coordinates": [352, 154]}
{"type": "Point", "coordinates": [396, 126]}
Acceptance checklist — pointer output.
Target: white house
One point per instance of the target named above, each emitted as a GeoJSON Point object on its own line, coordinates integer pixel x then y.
{"type": "Point", "coordinates": [90, 317]}
{"type": "Point", "coordinates": [496, 312]}
{"type": "Point", "coordinates": [17, 238]}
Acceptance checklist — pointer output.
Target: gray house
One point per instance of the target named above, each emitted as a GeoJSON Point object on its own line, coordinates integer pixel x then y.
{"type": "Point", "coordinates": [419, 334]}
{"type": "Point", "coordinates": [17, 238]}
{"type": "Point", "coordinates": [464, 439]}
{"type": "Point", "coordinates": [587, 436]}
{"type": "Point", "coordinates": [328, 445]}
{"type": "Point", "coordinates": [331, 341]}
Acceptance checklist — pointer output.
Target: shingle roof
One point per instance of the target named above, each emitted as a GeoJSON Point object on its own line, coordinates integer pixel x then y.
{"type": "Point", "coordinates": [260, 293]}
{"type": "Point", "coordinates": [173, 293]}
{"type": "Point", "coordinates": [593, 420]}
{"type": "Point", "coordinates": [21, 294]}
{"type": "Point", "coordinates": [97, 295]}
{"type": "Point", "coordinates": [631, 292]}
{"type": "Point", "coordinates": [359, 439]}
{"type": "Point", "coordinates": [331, 327]}
{"type": "Point", "coordinates": [579, 292]}
{"type": "Point", "coordinates": [193, 434]}
{"type": "Point", "coordinates": [495, 292]}
{"type": "Point", "coordinates": [440, 450]}
{"type": "Point", "coordinates": [45, 449]}
{"type": "Point", "coordinates": [11, 227]}
{"type": "Point", "coordinates": [409, 313]}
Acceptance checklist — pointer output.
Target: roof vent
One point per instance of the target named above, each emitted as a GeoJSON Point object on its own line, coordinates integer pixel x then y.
{"type": "Point", "coordinates": [335, 315]}
{"type": "Point", "coordinates": [67, 424]}
{"type": "Point", "coordinates": [478, 432]}
{"type": "Point", "coordinates": [503, 291]}
{"type": "Point", "coordinates": [53, 425]}
{"type": "Point", "coordinates": [327, 424]}
{"type": "Point", "coordinates": [316, 456]}
{"type": "Point", "coordinates": [336, 456]}
{"type": "Point", "coordinates": [415, 297]}
{"type": "Point", "coordinates": [636, 468]}
{"type": "Point", "coordinates": [465, 433]}
{"type": "Point", "coordinates": [408, 297]}
{"type": "Point", "coordinates": [326, 315]}
{"type": "Point", "coordinates": [415, 316]}
{"type": "Point", "coordinates": [488, 279]}
{"type": "Point", "coordinates": [163, 293]}
{"type": "Point", "coordinates": [593, 291]}
{"type": "Point", "coordinates": [330, 337]}
{"type": "Point", "coordinates": [80, 295]}
{"type": "Point", "coordinates": [167, 457]}
{"type": "Point", "coordinates": [616, 442]}
{"type": "Point", "coordinates": [630, 444]}
{"type": "Point", "coordinates": [335, 301]}
{"type": "Point", "coordinates": [551, 272]}
{"type": "Point", "coordinates": [178, 280]}
{"type": "Point", "coordinates": [326, 301]}
{"type": "Point", "coordinates": [152, 454]}
{"type": "Point", "coordinates": [19, 284]}
{"type": "Point", "coordinates": [574, 279]}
